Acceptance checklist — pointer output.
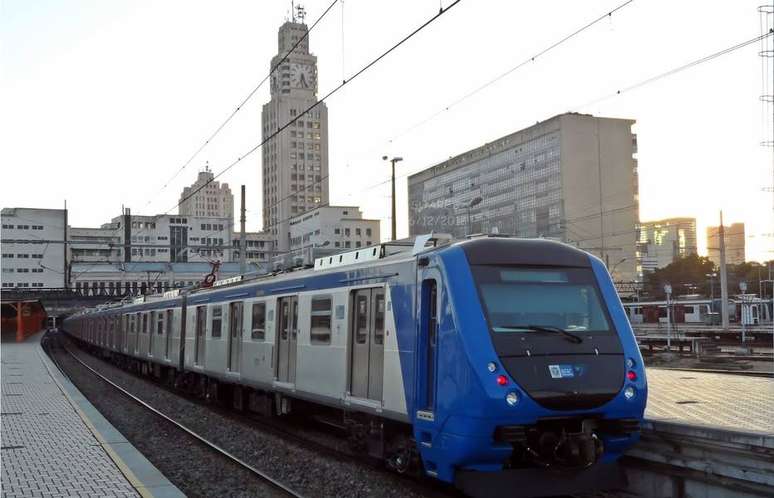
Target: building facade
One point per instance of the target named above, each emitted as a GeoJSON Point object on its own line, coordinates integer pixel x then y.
{"type": "Point", "coordinates": [295, 162]}
{"type": "Point", "coordinates": [207, 198]}
{"type": "Point", "coordinates": [572, 177]}
{"type": "Point", "coordinates": [33, 248]}
{"type": "Point", "coordinates": [735, 244]}
{"type": "Point", "coordinates": [173, 238]}
{"type": "Point", "coordinates": [332, 229]}
{"type": "Point", "coordinates": [662, 242]}
{"type": "Point", "coordinates": [260, 248]}
{"type": "Point", "coordinates": [95, 244]}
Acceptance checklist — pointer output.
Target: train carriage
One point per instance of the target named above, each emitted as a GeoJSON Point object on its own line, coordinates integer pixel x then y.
{"type": "Point", "coordinates": [490, 363]}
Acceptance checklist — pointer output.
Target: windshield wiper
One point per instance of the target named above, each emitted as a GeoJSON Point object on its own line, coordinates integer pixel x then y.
{"type": "Point", "coordinates": [546, 328]}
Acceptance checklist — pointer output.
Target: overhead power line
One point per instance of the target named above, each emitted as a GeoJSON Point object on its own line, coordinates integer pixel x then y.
{"type": "Point", "coordinates": [679, 69]}
{"type": "Point", "coordinates": [242, 103]}
{"type": "Point", "coordinates": [280, 129]}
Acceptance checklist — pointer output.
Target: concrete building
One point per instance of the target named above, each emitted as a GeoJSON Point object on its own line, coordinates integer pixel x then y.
{"type": "Point", "coordinates": [260, 249]}
{"type": "Point", "coordinates": [33, 248]}
{"type": "Point", "coordinates": [295, 162]}
{"type": "Point", "coordinates": [572, 177]}
{"type": "Point", "coordinates": [662, 242]}
{"type": "Point", "coordinates": [735, 243]}
{"type": "Point", "coordinates": [95, 244]}
{"type": "Point", "coordinates": [334, 228]}
{"type": "Point", "coordinates": [174, 238]}
{"type": "Point", "coordinates": [214, 200]}
{"type": "Point", "coordinates": [135, 278]}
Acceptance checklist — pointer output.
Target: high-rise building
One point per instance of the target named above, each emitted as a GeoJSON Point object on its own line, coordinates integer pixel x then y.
{"type": "Point", "coordinates": [572, 177]}
{"type": "Point", "coordinates": [213, 200]}
{"type": "Point", "coordinates": [662, 242]}
{"type": "Point", "coordinates": [336, 228]}
{"type": "Point", "coordinates": [734, 236]}
{"type": "Point", "coordinates": [295, 162]}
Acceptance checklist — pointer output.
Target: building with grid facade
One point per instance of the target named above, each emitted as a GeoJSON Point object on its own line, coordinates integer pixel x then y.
{"type": "Point", "coordinates": [662, 242]}
{"type": "Point", "coordinates": [295, 162]}
{"type": "Point", "coordinates": [735, 244]}
{"type": "Point", "coordinates": [207, 197]}
{"type": "Point", "coordinates": [572, 177]}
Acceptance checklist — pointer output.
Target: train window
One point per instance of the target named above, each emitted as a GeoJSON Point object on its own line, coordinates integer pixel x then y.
{"type": "Point", "coordinates": [321, 320]}
{"type": "Point", "coordinates": [379, 319]}
{"type": "Point", "coordinates": [144, 323]}
{"type": "Point", "coordinates": [361, 321]}
{"type": "Point", "coordinates": [690, 309]}
{"type": "Point", "coordinates": [170, 317]}
{"type": "Point", "coordinates": [258, 326]}
{"type": "Point", "coordinates": [217, 320]}
{"type": "Point", "coordinates": [516, 299]}
{"type": "Point", "coordinates": [160, 323]}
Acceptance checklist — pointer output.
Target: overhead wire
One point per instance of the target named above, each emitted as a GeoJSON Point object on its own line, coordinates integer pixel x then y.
{"type": "Point", "coordinates": [243, 102]}
{"type": "Point", "coordinates": [301, 114]}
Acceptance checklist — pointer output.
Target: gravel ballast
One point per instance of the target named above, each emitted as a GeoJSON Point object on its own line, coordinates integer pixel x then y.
{"type": "Point", "coordinates": [309, 472]}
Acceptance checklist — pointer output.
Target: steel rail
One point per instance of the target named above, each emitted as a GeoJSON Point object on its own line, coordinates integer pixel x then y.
{"type": "Point", "coordinates": [263, 476]}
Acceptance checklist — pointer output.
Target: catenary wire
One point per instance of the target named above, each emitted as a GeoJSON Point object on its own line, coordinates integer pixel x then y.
{"type": "Point", "coordinates": [318, 102]}
{"type": "Point", "coordinates": [243, 102]}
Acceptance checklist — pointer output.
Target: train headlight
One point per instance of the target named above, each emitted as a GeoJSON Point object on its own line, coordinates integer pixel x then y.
{"type": "Point", "coordinates": [629, 363]}
{"type": "Point", "coordinates": [512, 398]}
{"type": "Point", "coordinates": [629, 392]}
{"type": "Point", "coordinates": [491, 366]}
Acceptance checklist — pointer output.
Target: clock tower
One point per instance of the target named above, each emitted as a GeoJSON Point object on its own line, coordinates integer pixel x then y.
{"type": "Point", "coordinates": [295, 162]}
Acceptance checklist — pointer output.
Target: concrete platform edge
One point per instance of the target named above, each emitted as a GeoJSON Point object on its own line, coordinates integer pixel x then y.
{"type": "Point", "coordinates": [138, 470]}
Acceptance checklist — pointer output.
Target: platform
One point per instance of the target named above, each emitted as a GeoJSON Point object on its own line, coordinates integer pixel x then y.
{"type": "Point", "coordinates": [725, 401]}
{"type": "Point", "coordinates": [55, 443]}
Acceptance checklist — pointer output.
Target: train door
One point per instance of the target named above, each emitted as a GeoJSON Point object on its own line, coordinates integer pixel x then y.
{"type": "Point", "coordinates": [201, 327]}
{"type": "Point", "coordinates": [234, 336]}
{"type": "Point", "coordinates": [367, 344]}
{"type": "Point", "coordinates": [287, 334]}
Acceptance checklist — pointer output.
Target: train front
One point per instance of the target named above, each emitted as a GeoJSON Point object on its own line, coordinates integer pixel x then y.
{"type": "Point", "coordinates": [540, 383]}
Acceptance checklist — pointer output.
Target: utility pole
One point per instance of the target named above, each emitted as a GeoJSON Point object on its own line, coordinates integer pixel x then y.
{"type": "Point", "coordinates": [394, 220]}
{"type": "Point", "coordinates": [66, 267]}
{"type": "Point", "coordinates": [723, 276]}
{"type": "Point", "coordinates": [127, 235]}
{"type": "Point", "coordinates": [242, 236]}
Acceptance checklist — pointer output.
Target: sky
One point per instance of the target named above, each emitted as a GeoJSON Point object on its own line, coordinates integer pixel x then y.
{"type": "Point", "coordinates": [103, 102]}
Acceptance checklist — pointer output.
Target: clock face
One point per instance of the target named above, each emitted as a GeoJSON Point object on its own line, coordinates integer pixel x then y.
{"type": "Point", "coordinates": [303, 76]}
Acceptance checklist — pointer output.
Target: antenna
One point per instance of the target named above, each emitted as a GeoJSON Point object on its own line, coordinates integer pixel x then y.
{"type": "Point", "coordinates": [301, 13]}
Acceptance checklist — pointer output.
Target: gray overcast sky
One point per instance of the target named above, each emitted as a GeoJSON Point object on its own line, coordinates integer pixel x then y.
{"type": "Point", "coordinates": [101, 101]}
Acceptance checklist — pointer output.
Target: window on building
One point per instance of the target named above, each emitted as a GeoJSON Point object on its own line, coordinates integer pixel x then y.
{"type": "Point", "coordinates": [321, 320]}
{"type": "Point", "coordinates": [357, 231]}
{"type": "Point", "coordinates": [258, 326]}
{"type": "Point", "coordinates": [346, 231]}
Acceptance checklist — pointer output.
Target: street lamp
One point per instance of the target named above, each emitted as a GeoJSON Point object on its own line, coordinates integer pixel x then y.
{"type": "Point", "coordinates": [474, 202]}
{"type": "Point", "coordinates": [668, 291]}
{"type": "Point", "coordinates": [742, 315]}
{"type": "Point", "coordinates": [712, 286]}
{"type": "Point", "coordinates": [393, 161]}
{"type": "Point", "coordinates": [616, 266]}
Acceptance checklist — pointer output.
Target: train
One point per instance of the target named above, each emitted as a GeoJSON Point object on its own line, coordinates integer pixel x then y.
{"type": "Point", "coordinates": [493, 363]}
{"type": "Point", "coordinates": [749, 309]}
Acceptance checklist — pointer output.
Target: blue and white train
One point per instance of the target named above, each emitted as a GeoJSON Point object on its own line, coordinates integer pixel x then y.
{"type": "Point", "coordinates": [494, 363]}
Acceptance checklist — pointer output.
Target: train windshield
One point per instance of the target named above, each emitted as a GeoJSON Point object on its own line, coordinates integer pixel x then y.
{"type": "Point", "coordinates": [521, 300]}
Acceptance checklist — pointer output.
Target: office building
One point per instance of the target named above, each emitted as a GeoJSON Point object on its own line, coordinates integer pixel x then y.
{"type": "Point", "coordinates": [572, 177]}
{"type": "Point", "coordinates": [662, 242]}
{"type": "Point", "coordinates": [734, 237]}
{"type": "Point", "coordinates": [33, 248]}
{"type": "Point", "coordinates": [332, 229]}
{"type": "Point", "coordinates": [259, 246]}
{"type": "Point", "coordinates": [295, 162]}
{"type": "Point", "coordinates": [207, 198]}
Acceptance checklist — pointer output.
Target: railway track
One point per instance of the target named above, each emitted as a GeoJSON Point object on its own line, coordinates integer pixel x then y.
{"type": "Point", "coordinates": [278, 488]}
{"type": "Point", "coordinates": [308, 434]}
